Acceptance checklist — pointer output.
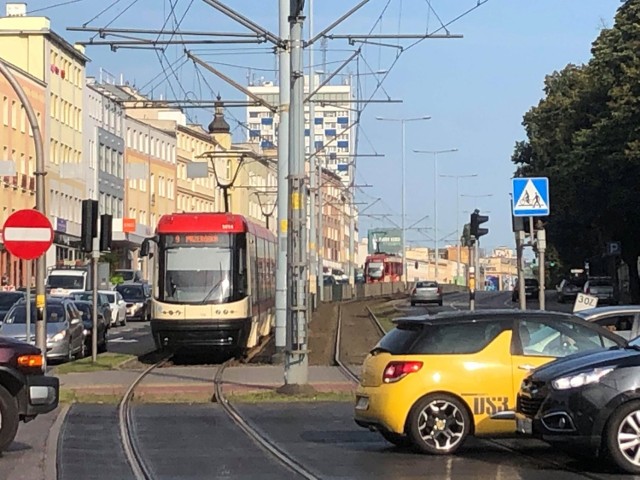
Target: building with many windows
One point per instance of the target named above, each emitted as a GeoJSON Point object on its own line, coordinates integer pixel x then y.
{"type": "Point", "coordinates": [330, 132]}
{"type": "Point", "coordinates": [31, 45]}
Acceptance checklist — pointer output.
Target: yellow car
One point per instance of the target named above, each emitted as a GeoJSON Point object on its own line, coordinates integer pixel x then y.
{"type": "Point", "coordinates": [432, 381]}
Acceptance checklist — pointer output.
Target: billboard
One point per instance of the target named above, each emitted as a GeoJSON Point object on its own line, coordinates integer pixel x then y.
{"type": "Point", "coordinates": [387, 240]}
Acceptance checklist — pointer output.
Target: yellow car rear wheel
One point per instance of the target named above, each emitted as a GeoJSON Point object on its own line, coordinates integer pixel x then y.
{"type": "Point", "coordinates": [439, 424]}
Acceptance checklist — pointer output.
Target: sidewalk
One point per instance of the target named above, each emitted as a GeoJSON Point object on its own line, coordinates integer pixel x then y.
{"type": "Point", "coordinates": [198, 380]}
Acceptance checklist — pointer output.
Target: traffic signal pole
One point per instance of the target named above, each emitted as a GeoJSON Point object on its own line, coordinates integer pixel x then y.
{"type": "Point", "coordinates": [542, 246]}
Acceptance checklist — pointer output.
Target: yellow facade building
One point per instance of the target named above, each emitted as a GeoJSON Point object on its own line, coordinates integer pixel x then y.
{"type": "Point", "coordinates": [31, 45]}
{"type": "Point", "coordinates": [150, 163]}
{"type": "Point", "coordinates": [17, 190]}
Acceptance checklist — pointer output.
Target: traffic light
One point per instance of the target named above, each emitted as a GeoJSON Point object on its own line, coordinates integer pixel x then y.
{"type": "Point", "coordinates": [105, 232]}
{"type": "Point", "coordinates": [476, 221]}
{"type": "Point", "coordinates": [89, 224]}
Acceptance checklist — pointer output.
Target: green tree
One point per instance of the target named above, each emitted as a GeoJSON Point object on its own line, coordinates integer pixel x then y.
{"type": "Point", "coordinates": [585, 136]}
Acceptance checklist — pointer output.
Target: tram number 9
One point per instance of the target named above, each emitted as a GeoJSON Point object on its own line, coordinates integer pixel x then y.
{"type": "Point", "coordinates": [490, 405]}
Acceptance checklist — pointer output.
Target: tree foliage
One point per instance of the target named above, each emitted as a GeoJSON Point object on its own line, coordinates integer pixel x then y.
{"type": "Point", "coordinates": [585, 136]}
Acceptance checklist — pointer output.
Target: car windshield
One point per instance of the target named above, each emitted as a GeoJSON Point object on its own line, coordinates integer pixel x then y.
{"type": "Point", "coordinates": [130, 292]}
{"type": "Point", "coordinates": [18, 314]}
{"type": "Point", "coordinates": [65, 281]}
{"type": "Point", "coordinates": [531, 282]}
{"type": "Point", "coordinates": [111, 297]}
{"type": "Point", "coordinates": [600, 282]}
{"type": "Point", "coordinates": [126, 275]}
{"type": "Point", "coordinates": [427, 285]}
{"type": "Point", "coordinates": [86, 310]}
{"type": "Point", "coordinates": [8, 299]}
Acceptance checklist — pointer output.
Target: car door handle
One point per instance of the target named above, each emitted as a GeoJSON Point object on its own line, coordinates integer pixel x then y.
{"type": "Point", "coordinates": [526, 366]}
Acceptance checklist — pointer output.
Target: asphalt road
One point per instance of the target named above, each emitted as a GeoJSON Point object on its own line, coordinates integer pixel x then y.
{"type": "Point", "coordinates": [484, 301]}
{"type": "Point", "coordinates": [199, 442]}
{"type": "Point", "coordinates": [132, 339]}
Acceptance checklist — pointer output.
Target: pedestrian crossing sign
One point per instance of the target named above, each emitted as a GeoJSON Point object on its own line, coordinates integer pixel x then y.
{"type": "Point", "coordinates": [530, 197]}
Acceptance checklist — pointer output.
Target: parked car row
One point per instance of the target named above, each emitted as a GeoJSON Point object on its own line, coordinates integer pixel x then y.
{"type": "Point", "coordinates": [434, 380]}
{"type": "Point", "coordinates": [600, 287]}
{"type": "Point", "coordinates": [25, 391]}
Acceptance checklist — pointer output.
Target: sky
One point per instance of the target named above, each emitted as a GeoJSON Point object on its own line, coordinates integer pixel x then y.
{"type": "Point", "coordinates": [475, 89]}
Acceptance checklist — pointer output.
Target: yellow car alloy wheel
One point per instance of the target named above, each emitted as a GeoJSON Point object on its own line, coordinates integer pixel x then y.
{"type": "Point", "coordinates": [439, 424]}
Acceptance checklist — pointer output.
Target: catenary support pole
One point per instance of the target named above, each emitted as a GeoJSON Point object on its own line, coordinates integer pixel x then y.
{"type": "Point", "coordinates": [41, 264]}
{"type": "Point", "coordinates": [283, 174]}
{"type": "Point", "coordinates": [313, 171]}
{"type": "Point", "coordinates": [320, 233]}
{"type": "Point", "coordinates": [296, 361]}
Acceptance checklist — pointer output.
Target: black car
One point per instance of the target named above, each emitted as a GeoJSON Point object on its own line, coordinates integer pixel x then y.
{"type": "Point", "coordinates": [86, 308]}
{"type": "Point", "coordinates": [103, 302]}
{"type": "Point", "coordinates": [25, 392]}
{"type": "Point", "coordinates": [138, 299]}
{"type": "Point", "coordinates": [7, 299]}
{"type": "Point", "coordinates": [587, 401]}
{"type": "Point", "coordinates": [531, 289]}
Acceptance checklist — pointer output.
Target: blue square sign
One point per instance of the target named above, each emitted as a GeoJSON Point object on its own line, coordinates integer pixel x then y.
{"type": "Point", "coordinates": [530, 197]}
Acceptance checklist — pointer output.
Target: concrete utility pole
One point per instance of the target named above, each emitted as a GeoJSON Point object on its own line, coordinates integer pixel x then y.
{"type": "Point", "coordinates": [41, 264]}
{"type": "Point", "coordinates": [522, 298]}
{"type": "Point", "coordinates": [283, 174]}
{"type": "Point", "coordinates": [313, 170]}
{"type": "Point", "coordinates": [296, 361]}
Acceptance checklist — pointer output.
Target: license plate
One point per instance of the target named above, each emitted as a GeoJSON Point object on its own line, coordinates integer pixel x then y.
{"type": "Point", "coordinates": [362, 403]}
{"type": "Point", "coordinates": [524, 425]}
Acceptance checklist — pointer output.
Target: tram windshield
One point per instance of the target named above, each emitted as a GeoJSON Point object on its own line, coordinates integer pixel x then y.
{"type": "Point", "coordinates": [197, 269]}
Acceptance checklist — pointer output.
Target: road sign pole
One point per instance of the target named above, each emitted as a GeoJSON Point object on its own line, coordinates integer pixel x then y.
{"type": "Point", "coordinates": [522, 295]}
{"type": "Point", "coordinates": [28, 305]}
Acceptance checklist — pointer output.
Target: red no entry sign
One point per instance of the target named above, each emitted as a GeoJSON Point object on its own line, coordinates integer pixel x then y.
{"type": "Point", "coordinates": [27, 234]}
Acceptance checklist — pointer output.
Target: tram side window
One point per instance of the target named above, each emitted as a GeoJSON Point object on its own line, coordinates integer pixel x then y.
{"type": "Point", "coordinates": [242, 266]}
{"type": "Point", "coordinates": [253, 247]}
{"type": "Point", "coordinates": [261, 272]}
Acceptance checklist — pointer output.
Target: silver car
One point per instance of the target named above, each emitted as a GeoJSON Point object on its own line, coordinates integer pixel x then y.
{"type": "Point", "coordinates": [426, 292]}
{"type": "Point", "coordinates": [65, 337]}
{"type": "Point", "coordinates": [601, 287]}
{"type": "Point", "coordinates": [624, 320]}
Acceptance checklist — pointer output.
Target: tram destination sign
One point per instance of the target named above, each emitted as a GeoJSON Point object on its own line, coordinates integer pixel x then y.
{"type": "Point", "coordinates": [197, 239]}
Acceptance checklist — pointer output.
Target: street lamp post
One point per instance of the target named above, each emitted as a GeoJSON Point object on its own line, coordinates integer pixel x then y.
{"type": "Point", "coordinates": [435, 154]}
{"type": "Point", "coordinates": [402, 122]}
{"type": "Point", "coordinates": [458, 234]}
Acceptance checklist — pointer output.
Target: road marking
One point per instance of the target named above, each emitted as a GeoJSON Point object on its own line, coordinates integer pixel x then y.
{"type": "Point", "coordinates": [123, 340]}
{"type": "Point", "coordinates": [25, 234]}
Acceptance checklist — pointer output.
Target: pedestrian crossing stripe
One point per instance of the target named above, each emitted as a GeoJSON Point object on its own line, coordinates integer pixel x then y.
{"type": "Point", "coordinates": [531, 199]}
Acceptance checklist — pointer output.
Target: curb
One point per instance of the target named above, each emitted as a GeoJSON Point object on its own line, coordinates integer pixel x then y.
{"type": "Point", "coordinates": [202, 388]}
{"type": "Point", "coordinates": [51, 445]}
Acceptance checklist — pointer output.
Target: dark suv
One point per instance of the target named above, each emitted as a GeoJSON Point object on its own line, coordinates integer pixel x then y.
{"type": "Point", "coordinates": [25, 391]}
{"type": "Point", "coordinates": [138, 299]}
{"type": "Point", "coordinates": [531, 289]}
